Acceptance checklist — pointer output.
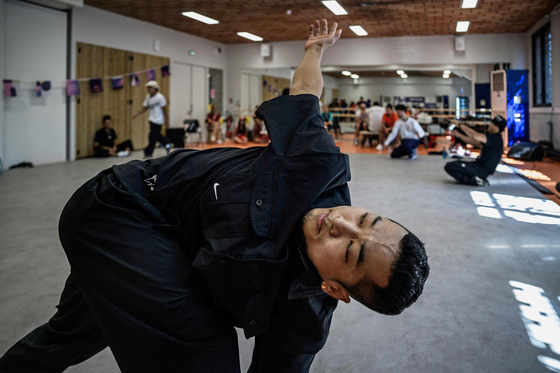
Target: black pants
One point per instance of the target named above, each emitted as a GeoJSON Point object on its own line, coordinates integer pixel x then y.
{"type": "Point", "coordinates": [155, 136]}
{"type": "Point", "coordinates": [405, 148]}
{"type": "Point", "coordinates": [131, 288]}
{"type": "Point", "coordinates": [99, 152]}
{"type": "Point", "coordinates": [465, 172]}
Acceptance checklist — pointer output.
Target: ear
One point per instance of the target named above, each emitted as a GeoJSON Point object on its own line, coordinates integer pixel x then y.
{"type": "Point", "coordinates": [336, 290]}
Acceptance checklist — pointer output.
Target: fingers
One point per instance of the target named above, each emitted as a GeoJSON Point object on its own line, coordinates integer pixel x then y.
{"type": "Point", "coordinates": [310, 31]}
{"type": "Point", "coordinates": [324, 27]}
{"type": "Point", "coordinates": [333, 29]}
{"type": "Point", "coordinates": [317, 28]}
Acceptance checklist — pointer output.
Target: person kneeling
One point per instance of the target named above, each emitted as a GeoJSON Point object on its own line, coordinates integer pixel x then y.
{"type": "Point", "coordinates": [104, 142]}
{"type": "Point", "coordinates": [410, 132]}
{"type": "Point", "coordinates": [475, 173]}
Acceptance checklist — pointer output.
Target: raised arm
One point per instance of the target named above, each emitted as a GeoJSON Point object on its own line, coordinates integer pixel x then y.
{"type": "Point", "coordinates": [308, 77]}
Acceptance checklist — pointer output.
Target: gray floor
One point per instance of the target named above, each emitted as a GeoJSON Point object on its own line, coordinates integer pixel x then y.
{"type": "Point", "coordinates": [467, 320]}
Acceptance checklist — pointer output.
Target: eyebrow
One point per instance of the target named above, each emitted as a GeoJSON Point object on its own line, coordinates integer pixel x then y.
{"type": "Point", "coordinates": [363, 247]}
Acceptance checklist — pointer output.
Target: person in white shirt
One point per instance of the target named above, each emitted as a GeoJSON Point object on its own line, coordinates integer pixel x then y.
{"type": "Point", "coordinates": [157, 105]}
{"type": "Point", "coordinates": [410, 132]}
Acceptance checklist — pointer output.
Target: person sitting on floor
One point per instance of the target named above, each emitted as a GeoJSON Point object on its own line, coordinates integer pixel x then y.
{"type": "Point", "coordinates": [104, 142]}
{"type": "Point", "coordinates": [475, 173]}
{"type": "Point", "coordinates": [214, 124]}
{"type": "Point", "coordinates": [362, 122]}
{"type": "Point", "coordinates": [240, 134]}
{"type": "Point", "coordinates": [387, 123]}
{"type": "Point", "coordinates": [258, 135]}
{"type": "Point", "coordinates": [410, 132]}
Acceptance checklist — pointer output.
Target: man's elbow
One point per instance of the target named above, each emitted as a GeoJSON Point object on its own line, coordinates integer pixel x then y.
{"type": "Point", "coordinates": [301, 89]}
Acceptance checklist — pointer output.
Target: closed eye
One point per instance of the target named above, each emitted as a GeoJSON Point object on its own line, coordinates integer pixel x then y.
{"type": "Point", "coordinates": [348, 250]}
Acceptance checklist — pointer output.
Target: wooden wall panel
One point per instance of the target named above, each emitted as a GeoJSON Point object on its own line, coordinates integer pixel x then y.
{"type": "Point", "coordinates": [96, 61]}
{"type": "Point", "coordinates": [278, 84]}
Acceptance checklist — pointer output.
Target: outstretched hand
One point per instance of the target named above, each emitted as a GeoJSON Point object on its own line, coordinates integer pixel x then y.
{"type": "Point", "coordinates": [319, 35]}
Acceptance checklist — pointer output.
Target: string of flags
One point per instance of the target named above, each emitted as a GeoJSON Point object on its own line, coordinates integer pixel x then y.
{"type": "Point", "coordinates": [12, 86]}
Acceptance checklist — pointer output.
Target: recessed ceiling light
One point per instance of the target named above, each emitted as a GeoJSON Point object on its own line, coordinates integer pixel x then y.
{"type": "Point", "coordinates": [201, 18]}
{"type": "Point", "coordinates": [249, 36]}
{"type": "Point", "coordinates": [358, 30]}
{"type": "Point", "coordinates": [446, 76]}
{"type": "Point", "coordinates": [446, 72]}
{"type": "Point", "coordinates": [462, 26]}
{"type": "Point", "coordinates": [400, 72]}
{"type": "Point", "coordinates": [335, 7]}
{"type": "Point", "coordinates": [404, 76]}
{"type": "Point", "coordinates": [468, 4]}
{"type": "Point", "coordinates": [346, 73]}
{"type": "Point", "coordinates": [354, 76]}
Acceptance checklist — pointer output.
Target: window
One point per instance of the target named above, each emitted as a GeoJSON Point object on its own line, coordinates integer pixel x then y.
{"type": "Point", "coordinates": [542, 67]}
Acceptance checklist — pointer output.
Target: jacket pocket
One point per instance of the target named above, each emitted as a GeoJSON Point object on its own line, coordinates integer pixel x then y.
{"type": "Point", "coordinates": [239, 206]}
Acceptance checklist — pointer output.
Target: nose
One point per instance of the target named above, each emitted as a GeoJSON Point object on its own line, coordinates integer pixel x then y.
{"type": "Point", "coordinates": [341, 226]}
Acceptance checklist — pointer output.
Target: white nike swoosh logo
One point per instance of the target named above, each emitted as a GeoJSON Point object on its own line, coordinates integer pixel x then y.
{"type": "Point", "coordinates": [215, 190]}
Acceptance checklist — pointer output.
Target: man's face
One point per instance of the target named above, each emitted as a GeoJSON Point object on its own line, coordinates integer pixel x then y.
{"type": "Point", "coordinates": [402, 114]}
{"type": "Point", "coordinates": [152, 91]}
{"type": "Point", "coordinates": [389, 111]}
{"type": "Point", "coordinates": [347, 243]}
{"type": "Point", "coordinates": [363, 106]}
{"type": "Point", "coordinates": [107, 124]}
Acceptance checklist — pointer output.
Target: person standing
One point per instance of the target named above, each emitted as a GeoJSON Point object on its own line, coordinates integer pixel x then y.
{"type": "Point", "coordinates": [410, 132]}
{"type": "Point", "coordinates": [156, 103]}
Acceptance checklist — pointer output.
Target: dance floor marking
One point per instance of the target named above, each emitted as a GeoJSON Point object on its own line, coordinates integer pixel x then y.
{"type": "Point", "coordinates": [522, 209]}
{"type": "Point", "coordinates": [541, 322]}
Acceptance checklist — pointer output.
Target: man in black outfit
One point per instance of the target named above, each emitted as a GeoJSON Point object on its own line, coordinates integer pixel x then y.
{"type": "Point", "coordinates": [104, 141]}
{"type": "Point", "coordinates": [168, 255]}
{"type": "Point", "coordinates": [492, 144]}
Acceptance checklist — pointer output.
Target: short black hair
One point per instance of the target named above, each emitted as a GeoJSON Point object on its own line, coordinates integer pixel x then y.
{"type": "Point", "coordinates": [106, 117]}
{"type": "Point", "coordinates": [408, 275]}
{"type": "Point", "coordinates": [389, 106]}
{"type": "Point", "coordinates": [376, 103]}
{"type": "Point", "coordinates": [400, 107]}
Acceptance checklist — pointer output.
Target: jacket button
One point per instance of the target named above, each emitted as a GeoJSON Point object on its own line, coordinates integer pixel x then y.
{"type": "Point", "coordinates": [259, 202]}
{"type": "Point", "coordinates": [223, 264]}
{"type": "Point", "coordinates": [252, 322]}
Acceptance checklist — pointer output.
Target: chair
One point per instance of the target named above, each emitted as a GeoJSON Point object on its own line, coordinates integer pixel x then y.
{"type": "Point", "coordinates": [192, 128]}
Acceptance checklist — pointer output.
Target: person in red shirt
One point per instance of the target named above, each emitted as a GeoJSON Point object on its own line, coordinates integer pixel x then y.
{"type": "Point", "coordinates": [240, 136]}
{"type": "Point", "coordinates": [213, 122]}
{"type": "Point", "coordinates": [388, 121]}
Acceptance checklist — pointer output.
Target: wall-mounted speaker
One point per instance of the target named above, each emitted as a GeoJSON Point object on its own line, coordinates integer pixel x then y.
{"type": "Point", "coordinates": [265, 50]}
{"type": "Point", "coordinates": [460, 44]}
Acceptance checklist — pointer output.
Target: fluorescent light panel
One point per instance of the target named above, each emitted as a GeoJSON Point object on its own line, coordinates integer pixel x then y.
{"type": "Point", "coordinates": [404, 76]}
{"type": "Point", "coordinates": [358, 30]}
{"type": "Point", "coordinates": [201, 18]}
{"type": "Point", "coordinates": [462, 26]}
{"type": "Point", "coordinates": [400, 72]}
{"type": "Point", "coordinates": [446, 72]}
{"type": "Point", "coordinates": [354, 76]}
{"type": "Point", "coordinates": [335, 7]}
{"type": "Point", "coordinates": [346, 73]}
{"type": "Point", "coordinates": [468, 4]}
{"type": "Point", "coordinates": [249, 36]}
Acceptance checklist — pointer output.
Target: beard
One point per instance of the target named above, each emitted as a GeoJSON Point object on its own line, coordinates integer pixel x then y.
{"type": "Point", "coordinates": [300, 233]}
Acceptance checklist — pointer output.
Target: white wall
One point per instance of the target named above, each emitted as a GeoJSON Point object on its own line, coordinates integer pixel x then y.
{"type": "Point", "coordinates": [99, 27]}
{"type": "Point", "coordinates": [34, 49]}
{"type": "Point", "coordinates": [541, 119]}
{"type": "Point", "coordinates": [373, 88]}
{"type": "Point", "coordinates": [382, 51]}
{"type": "Point", "coordinates": [2, 54]}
